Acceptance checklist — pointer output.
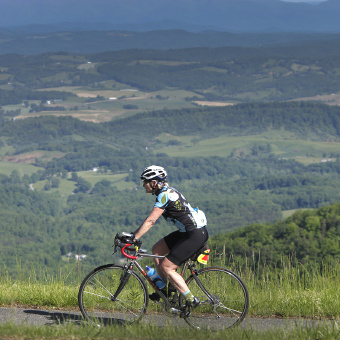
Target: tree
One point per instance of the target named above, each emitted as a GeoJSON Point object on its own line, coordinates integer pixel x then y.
{"type": "Point", "coordinates": [55, 182]}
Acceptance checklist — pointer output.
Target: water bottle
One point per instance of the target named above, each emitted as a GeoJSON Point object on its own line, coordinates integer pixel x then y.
{"type": "Point", "coordinates": [157, 280]}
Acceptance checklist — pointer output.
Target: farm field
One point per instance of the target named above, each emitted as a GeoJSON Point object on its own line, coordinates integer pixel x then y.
{"type": "Point", "coordinates": [110, 104]}
{"type": "Point", "coordinates": [304, 151]}
{"type": "Point", "coordinates": [6, 168]}
{"type": "Point", "coordinates": [116, 179]}
{"type": "Point", "coordinates": [66, 186]}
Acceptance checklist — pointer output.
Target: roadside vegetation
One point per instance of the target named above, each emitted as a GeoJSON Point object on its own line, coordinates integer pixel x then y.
{"type": "Point", "coordinates": [325, 331]}
{"type": "Point", "coordinates": [292, 291]}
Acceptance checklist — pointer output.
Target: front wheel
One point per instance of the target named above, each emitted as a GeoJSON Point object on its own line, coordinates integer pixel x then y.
{"type": "Point", "coordinates": [97, 300]}
{"type": "Point", "coordinates": [224, 303]}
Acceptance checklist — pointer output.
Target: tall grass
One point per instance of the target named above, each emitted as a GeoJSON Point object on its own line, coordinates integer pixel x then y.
{"type": "Point", "coordinates": [39, 288]}
{"type": "Point", "coordinates": [293, 290]}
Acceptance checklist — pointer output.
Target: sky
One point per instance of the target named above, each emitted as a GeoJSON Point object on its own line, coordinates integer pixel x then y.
{"type": "Point", "coordinates": [310, 1]}
{"type": "Point", "coordinates": [303, 0]}
{"type": "Point", "coordinates": [24, 12]}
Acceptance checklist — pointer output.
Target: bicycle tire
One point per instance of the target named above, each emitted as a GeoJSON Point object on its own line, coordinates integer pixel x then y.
{"type": "Point", "coordinates": [96, 292]}
{"type": "Point", "coordinates": [230, 299]}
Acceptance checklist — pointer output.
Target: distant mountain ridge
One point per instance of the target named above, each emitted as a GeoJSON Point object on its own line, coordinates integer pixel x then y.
{"type": "Point", "coordinates": [198, 15]}
{"type": "Point", "coordinates": [86, 41]}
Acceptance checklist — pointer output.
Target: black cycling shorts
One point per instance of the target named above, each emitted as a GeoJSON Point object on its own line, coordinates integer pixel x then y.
{"type": "Point", "coordinates": [183, 245]}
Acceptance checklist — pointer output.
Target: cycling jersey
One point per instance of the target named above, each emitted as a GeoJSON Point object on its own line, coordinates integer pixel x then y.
{"type": "Point", "coordinates": [178, 210]}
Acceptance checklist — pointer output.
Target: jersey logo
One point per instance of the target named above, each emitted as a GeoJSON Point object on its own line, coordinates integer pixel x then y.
{"type": "Point", "coordinates": [178, 205]}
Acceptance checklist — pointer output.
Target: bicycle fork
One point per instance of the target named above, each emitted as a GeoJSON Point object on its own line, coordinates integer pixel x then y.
{"type": "Point", "coordinates": [123, 281]}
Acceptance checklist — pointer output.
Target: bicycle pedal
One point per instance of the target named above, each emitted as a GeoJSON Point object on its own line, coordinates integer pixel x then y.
{"type": "Point", "coordinates": [184, 313]}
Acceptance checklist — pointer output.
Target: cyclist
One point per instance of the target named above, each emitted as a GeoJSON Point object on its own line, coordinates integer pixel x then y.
{"type": "Point", "coordinates": [179, 245]}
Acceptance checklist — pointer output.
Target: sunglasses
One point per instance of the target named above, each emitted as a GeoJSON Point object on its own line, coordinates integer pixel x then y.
{"type": "Point", "coordinates": [145, 182]}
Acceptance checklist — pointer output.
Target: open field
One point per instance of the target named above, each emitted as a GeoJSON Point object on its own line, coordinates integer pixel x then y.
{"type": "Point", "coordinates": [116, 179]}
{"type": "Point", "coordinates": [95, 116]}
{"type": "Point", "coordinates": [6, 168]}
{"type": "Point", "coordinates": [30, 157]}
{"type": "Point", "coordinates": [281, 143]}
{"type": "Point", "coordinates": [330, 99]}
{"type": "Point", "coordinates": [66, 187]}
{"type": "Point", "coordinates": [206, 103]}
{"type": "Point", "coordinates": [304, 151]}
{"type": "Point", "coordinates": [112, 103]}
{"type": "Point", "coordinates": [288, 213]}
{"type": "Point", "coordinates": [84, 92]}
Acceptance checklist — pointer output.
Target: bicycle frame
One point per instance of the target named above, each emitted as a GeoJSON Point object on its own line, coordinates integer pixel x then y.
{"type": "Point", "coordinates": [138, 255]}
{"type": "Point", "coordinates": [134, 262]}
{"type": "Point", "coordinates": [221, 292]}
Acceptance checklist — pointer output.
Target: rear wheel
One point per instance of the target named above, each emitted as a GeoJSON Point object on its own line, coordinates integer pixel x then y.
{"type": "Point", "coordinates": [96, 293]}
{"type": "Point", "coordinates": [226, 303]}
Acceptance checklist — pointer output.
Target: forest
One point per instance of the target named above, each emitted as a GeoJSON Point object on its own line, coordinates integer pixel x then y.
{"type": "Point", "coordinates": [245, 164]}
{"type": "Point", "coordinates": [43, 226]}
{"type": "Point", "coordinates": [310, 236]}
{"type": "Point", "coordinates": [241, 74]}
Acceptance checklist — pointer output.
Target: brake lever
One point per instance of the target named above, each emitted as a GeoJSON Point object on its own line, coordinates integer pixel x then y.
{"type": "Point", "coordinates": [116, 244]}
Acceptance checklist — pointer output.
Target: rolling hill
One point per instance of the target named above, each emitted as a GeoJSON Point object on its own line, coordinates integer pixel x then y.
{"type": "Point", "coordinates": [253, 181]}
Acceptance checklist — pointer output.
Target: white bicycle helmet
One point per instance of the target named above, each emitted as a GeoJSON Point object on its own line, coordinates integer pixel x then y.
{"type": "Point", "coordinates": [154, 172]}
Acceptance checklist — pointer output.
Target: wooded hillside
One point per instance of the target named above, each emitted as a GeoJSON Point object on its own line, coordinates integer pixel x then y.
{"type": "Point", "coordinates": [235, 190]}
{"type": "Point", "coordinates": [307, 236]}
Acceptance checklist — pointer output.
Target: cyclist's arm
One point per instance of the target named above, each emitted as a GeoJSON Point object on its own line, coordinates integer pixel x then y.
{"type": "Point", "coordinates": [149, 222]}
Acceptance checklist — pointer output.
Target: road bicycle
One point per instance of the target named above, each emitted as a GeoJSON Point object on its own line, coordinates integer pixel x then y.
{"type": "Point", "coordinates": [119, 294]}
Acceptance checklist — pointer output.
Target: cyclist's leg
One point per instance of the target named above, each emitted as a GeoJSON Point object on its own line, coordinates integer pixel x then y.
{"type": "Point", "coordinates": [160, 248]}
{"type": "Point", "coordinates": [187, 244]}
{"type": "Point", "coordinates": [169, 269]}
{"type": "Point", "coordinates": [163, 247]}
{"type": "Point", "coordinates": [224, 299]}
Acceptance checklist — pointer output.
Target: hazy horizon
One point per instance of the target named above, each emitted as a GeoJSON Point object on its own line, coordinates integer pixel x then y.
{"type": "Point", "coordinates": [230, 15]}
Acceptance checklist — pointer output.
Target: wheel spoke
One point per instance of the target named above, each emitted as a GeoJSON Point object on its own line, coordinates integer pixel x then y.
{"type": "Point", "coordinates": [104, 297]}
{"type": "Point", "coordinates": [226, 304]}
{"type": "Point", "coordinates": [95, 297]}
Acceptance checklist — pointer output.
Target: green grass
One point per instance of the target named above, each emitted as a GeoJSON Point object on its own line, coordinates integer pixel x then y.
{"type": "Point", "coordinates": [151, 331]}
{"type": "Point", "coordinates": [118, 180]}
{"type": "Point", "coordinates": [66, 186]}
{"type": "Point", "coordinates": [288, 213]}
{"type": "Point", "coordinates": [282, 144]}
{"type": "Point", "coordinates": [6, 168]}
{"type": "Point", "coordinates": [106, 110]}
{"type": "Point", "coordinates": [293, 291]}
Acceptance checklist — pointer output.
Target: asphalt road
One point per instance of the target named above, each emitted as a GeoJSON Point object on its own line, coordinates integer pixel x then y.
{"type": "Point", "coordinates": [39, 317]}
